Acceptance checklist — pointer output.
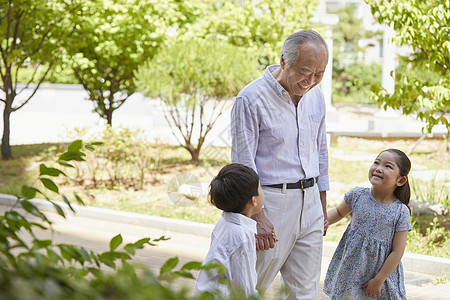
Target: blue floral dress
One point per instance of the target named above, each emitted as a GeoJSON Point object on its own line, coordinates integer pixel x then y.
{"type": "Point", "coordinates": [364, 247]}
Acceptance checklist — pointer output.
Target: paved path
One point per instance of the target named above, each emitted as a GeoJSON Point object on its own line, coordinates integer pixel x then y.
{"type": "Point", "coordinates": [95, 235]}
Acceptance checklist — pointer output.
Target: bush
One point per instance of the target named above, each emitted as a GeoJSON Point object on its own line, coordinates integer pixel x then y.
{"type": "Point", "coordinates": [351, 84]}
{"type": "Point", "coordinates": [122, 157]}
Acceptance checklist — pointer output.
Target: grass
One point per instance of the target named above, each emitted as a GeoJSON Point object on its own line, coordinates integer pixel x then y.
{"type": "Point", "coordinates": [348, 168]}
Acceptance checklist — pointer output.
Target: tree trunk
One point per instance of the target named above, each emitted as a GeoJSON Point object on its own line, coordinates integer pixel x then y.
{"type": "Point", "coordinates": [6, 147]}
{"type": "Point", "coordinates": [194, 152]}
{"type": "Point", "coordinates": [413, 146]}
{"type": "Point", "coordinates": [109, 113]}
{"type": "Point", "coordinates": [195, 156]}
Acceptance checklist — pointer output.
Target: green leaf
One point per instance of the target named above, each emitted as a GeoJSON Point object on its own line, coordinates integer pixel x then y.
{"type": "Point", "coordinates": [95, 258]}
{"type": "Point", "coordinates": [84, 254]}
{"type": "Point", "coordinates": [75, 146]}
{"type": "Point", "coordinates": [131, 247]}
{"type": "Point", "coordinates": [32, 209]}
{"type": "Point", "coordinates": [66, 252]}
{"type": "Point", "coordinates": [192, 265]}
{"type": "Point", "coordinates": [184, 274]}
{"type": "Point", "coordinates": [68, 156]}
{"type": "Point", "coordinates": [78, 198]}
{"type": "Point", "coordinates": [29, 192]}
{"type": "Point", "coordinates": [49, 171]}
{"type": "Point", "coordinates": [115, 242]}
{"type": "Point", "coordinates": [68, 203]}
{"type": "Point", "coordinates": [59, 210]}
{"type": "Point", "coordinates": [49, 184]}
{"type": "Point", "coordinates": [161, 238]}
{"type": "Point", "coordinates": [64, 164]}
{"type": "Point", "coordinates": [108, 259]}
{"type": "Point", "coordinates": [39, 225]}
{"type": "Point", "coordinates": [169, 265]}
{"type": "Point", "coordinates": [42, 243]}
{"type": "Point", "coordinates": [53, 256]}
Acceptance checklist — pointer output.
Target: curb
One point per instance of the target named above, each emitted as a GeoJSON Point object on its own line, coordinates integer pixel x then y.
{"type": "Point", "coordinates": [425, 264]}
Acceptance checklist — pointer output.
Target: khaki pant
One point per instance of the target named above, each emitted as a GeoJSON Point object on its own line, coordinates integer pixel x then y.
{"type": "Point", "coordinates": [297, 255]}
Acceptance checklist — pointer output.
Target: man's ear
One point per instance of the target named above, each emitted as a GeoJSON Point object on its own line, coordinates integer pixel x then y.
{"type": "Point", "coordinates": [253, 201]}
{"type": "Point", "coordinates": [282, 62]}
{"type": "Point", "coordinates": [402, 181]}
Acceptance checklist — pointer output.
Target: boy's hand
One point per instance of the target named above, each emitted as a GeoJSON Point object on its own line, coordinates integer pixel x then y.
{"type": "Point", "coordinates": [265, 236]}
{"type": "Point", "coordinates": [373, 288]}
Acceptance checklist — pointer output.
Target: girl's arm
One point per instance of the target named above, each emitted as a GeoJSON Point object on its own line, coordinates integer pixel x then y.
{"type": "Point", "coordinates": [398, 247]}
{"type": "Point", "coordinates": [337, 213]}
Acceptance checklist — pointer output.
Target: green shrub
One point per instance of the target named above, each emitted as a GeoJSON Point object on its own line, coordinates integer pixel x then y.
{"type": "Point", "coordinates": [351, 84]}
{"type": "Point", "coordinates": [122, 158]}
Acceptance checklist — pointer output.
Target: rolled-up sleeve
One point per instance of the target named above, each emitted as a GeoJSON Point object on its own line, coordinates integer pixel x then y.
{"type": "Point", "coordinates": [323, 182]}
{"type": "Point", "coordinates": [244, 133]}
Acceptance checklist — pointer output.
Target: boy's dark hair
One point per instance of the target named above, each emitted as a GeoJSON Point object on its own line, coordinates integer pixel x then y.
{"type": "Point", "coordinates": [233, 187]}
{"type": "Point", "coordinates": [403, 193]}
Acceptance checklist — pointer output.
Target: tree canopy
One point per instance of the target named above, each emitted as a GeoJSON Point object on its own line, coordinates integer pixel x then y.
{"type": "Point", "coordinates": [260, 25]}
{"type": "Point", "coordinates": [422, 79]}
{"type": "Point", "coordinates": [114, 39]}
{"type": "Point", "coordinates": [31, 36]}
{"type": "Point", "coordinates": [193, 77]}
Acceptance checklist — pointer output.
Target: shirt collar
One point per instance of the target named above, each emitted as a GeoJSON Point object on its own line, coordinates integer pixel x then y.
{"type": "Point", "coordinates": [279, 89]}
{"type": "Point", "coordinates": [241, 220]}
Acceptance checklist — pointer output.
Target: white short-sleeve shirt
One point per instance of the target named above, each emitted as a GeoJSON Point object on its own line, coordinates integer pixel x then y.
{"type": "Point", "coordinates": [233, 246]}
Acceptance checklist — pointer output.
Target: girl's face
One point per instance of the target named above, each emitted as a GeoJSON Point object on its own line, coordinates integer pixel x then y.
{"type": "Point", "coordinates": [384, 171]}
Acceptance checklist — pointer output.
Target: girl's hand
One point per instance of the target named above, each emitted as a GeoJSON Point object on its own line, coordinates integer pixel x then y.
{"type": "Point", "coordinates": [373, 288]}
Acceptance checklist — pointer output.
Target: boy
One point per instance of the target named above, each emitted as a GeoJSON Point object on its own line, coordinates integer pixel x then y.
{"type": "Point", "coordinates": [236, 191]}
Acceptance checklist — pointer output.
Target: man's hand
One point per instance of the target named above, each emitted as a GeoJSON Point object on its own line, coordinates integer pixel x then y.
{"type": "Point", "coordinates": [265, 238]}
{"type": "Point", "coordinates": [323, 200]}
{"type": "Point", "coordinates": [373, 288]}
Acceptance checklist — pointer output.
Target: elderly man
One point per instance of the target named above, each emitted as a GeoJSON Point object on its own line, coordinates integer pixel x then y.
{"type": "Point", "coordinates": [278, 129]}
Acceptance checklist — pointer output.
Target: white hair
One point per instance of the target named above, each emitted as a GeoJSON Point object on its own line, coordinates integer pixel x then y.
{"type": "Point", "coordinates": [291, 51]}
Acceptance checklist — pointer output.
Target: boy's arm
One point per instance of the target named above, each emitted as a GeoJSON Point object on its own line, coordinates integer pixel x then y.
{"type": "Point", "coordinates": [398, 247]}
{"type": "Point", "coordinates": [337, 213]}
{"type": "Point", "coordinates": [242, 270]}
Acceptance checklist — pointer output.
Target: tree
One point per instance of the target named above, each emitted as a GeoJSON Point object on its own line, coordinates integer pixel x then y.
{"type": "Point", "coordinates": [31, 36]}
{"type": "Point", "coordinates": [351, 76]}
{"type": "Point", "coordinates": [260, 25]}
{"type": "Point", "coordinates": [113, 40]}
{"type": "Point", "coordinates": [194, 77]}
{"type": "Point", "coordinates": [422, 83]}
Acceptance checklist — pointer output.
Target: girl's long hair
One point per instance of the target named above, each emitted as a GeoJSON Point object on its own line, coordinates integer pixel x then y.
{"type": "Point", "coordinates": [403, 193]}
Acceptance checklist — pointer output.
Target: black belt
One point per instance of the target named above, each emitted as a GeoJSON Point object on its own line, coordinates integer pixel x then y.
{"type": "Point", "coordinates": [301, 184]}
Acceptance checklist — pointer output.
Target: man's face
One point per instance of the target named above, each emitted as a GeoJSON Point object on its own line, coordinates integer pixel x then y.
{"type": "Point", "coordinates": [306, 72]}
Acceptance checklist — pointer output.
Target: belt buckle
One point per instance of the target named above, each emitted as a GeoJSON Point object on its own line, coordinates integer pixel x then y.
{"type": "Point", "coordinates": [301, 184]}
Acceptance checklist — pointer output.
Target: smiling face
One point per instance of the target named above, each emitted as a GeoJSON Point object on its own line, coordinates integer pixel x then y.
{"type": "Point", "coordinates": [306, 72]}
{"type": "Point", "coordinates": [384, 172]}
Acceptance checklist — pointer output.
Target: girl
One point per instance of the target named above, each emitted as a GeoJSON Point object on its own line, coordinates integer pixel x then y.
{"type": "Point", "coordinates": [366, 263]}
